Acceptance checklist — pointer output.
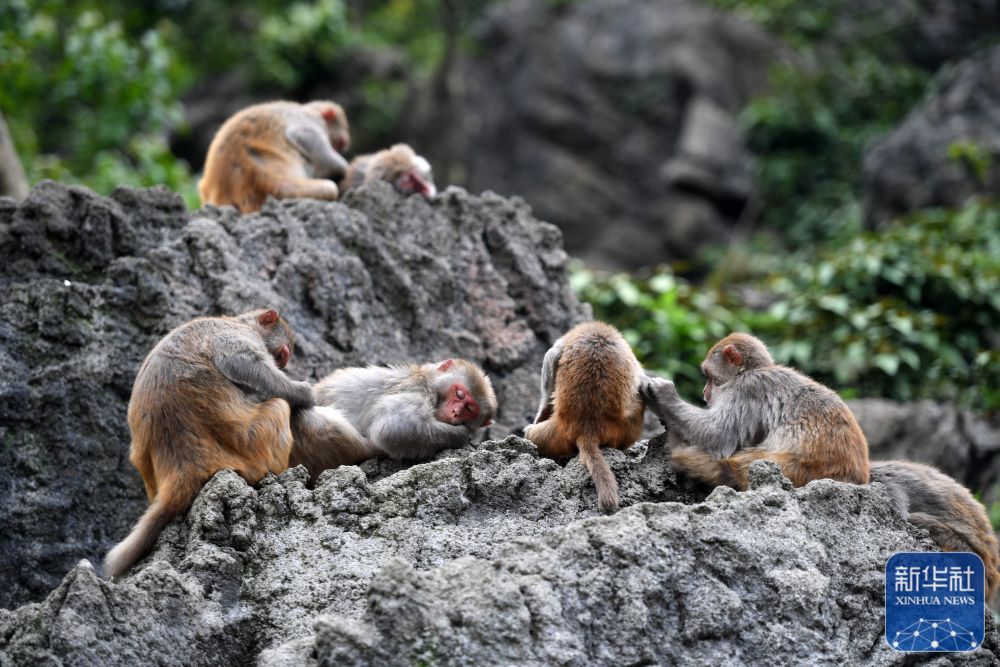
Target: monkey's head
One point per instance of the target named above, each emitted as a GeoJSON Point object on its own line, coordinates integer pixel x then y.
{"type": "Point", "coordinates": [274, 331]}
{"type": "Point", "coordinates": [337, 127]}
{"type": "Point", "coordinates": [408, 172]}
{"type": "Point", "coordinates": [465, 395]}
{"type": "Point", "coordinates": [732, 355]}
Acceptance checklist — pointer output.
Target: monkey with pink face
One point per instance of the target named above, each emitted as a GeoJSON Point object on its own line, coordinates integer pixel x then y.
{"type": "Point", "coordinates": [403, 412]}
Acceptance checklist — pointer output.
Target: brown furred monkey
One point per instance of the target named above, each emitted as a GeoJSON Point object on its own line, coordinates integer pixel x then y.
{"type": "Point", "coordinates": [590, 399]}
{"type": "Point", "coordinates": [757, 410]}
{"type": "Point", "coordinates": [400, 165]}
{"type": "Point", "coordinates": [282, 149]}
{"type": "Point", "coordinates": [956, 521]}
{"type": "Point", "coordinates": [404, 412]}
{"type": "Point", "coordinates": [193, 413]}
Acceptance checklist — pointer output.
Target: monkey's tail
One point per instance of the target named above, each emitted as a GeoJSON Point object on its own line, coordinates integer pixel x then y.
{"type": "Point", "coordinates": [589, 447]}
{"type": "Point", "coordinates": [170, 502]}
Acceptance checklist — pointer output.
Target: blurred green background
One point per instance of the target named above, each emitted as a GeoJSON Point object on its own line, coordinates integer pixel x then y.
{"type": "Point", "coordinates": [92, 91]}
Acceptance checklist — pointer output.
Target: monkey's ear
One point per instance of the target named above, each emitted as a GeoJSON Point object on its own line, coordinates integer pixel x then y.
{"type": "Point", "coordinates": [268, 318]}
{"type": "Point", "coordinates": [732, 355]}
{"type": "Point", "coordinates": [329, 113]}
{"type": "Point", "coordinates": [446, 365]}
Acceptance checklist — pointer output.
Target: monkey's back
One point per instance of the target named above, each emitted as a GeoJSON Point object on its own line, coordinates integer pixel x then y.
{"type": "Point", "coordinates": [935, 501]}
{"type": "Point", "coordinates": [248, 155]}
{"type": "Point", "coordinates": [803, 416]}
{"type": "Point", "coordinates": [182, 410]}
{"type": "Point", "coordinates": [596, 386]}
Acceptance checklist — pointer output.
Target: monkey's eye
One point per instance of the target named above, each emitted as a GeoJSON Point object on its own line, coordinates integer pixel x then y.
{"type": "Point", "coordinates": [459, 394]}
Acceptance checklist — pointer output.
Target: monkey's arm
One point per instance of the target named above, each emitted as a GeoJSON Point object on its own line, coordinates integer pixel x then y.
{"type": "Point", "coordinates": [315, 146]}
{"type": "Point", "coordinates": [549, 365]}
{"type": "Point", "coordinates": [245, 365]}
{"type": "Point", "coordinates": [404, 427]}
{"type": "Point", "coordinates": [720, 430]}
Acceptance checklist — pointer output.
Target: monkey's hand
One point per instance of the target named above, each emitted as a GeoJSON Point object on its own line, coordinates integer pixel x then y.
{"type": "Point", "coordinates": [658, 394]}
{"type": "Point", "coordinates": [301, 396]}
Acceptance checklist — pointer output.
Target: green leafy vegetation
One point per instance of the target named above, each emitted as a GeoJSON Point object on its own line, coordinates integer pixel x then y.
{"type": "Point", "coordinates": [908, 313]}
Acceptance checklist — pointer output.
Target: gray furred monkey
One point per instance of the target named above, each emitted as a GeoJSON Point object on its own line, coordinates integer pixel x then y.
{"type": "Point", "coordinates": [956, 521]}
{"type": "Point", "coordinates": [403, 412]}
{"type": "Point", "coordinates": [759, 410]}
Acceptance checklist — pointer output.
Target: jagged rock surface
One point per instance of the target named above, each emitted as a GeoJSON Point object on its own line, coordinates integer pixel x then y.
{"type": "Point", "coordinates": [910, 168]}
{"type": "Point", "coordinates": [491, 556]}
{"type": "Point", "coordinates": [90, 283]}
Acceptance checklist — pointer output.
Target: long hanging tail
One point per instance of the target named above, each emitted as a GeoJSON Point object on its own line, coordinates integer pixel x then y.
{"type": "Point", "coordinates": [607, 486]}
{"type": "Point", "coordinates": [170, 502]}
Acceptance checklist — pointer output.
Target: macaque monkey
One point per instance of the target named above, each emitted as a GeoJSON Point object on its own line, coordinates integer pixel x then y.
{"type": "Point", "coordinates": [282, 149]}
{"type": "Point", "coordinates": [193, 412]}
{"type": "Point", "coordinates": [405, 170]}
{"type": "Point", "coordinates": [590, 399]}
{"type": "Point", "coordinates": [403, 412]}
{"type": "Point", "coordinates": [956, 521]}
{"type": "Point", "coordinates": [757, 410]}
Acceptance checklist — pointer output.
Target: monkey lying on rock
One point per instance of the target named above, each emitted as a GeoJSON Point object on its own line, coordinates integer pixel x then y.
{"type": "Point", "coordinates": [193, 413]}
{"type": "Point", "coordinates": [400, 165]}
{"type": "Point", "coordinates": [590, 399]}
{"type": "Point", "coordinates": [404, 412]}
{"type": "Point", "coordinates": [282, 149]}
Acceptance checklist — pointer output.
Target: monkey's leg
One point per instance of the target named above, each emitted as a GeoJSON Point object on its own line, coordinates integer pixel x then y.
{"type": "Point", "coordinates": [732, 471]}
{"type": "Point", "coordinates": [550, 439]}
{"type": "Point", "coordinates": [324, 439]}
{"type": "Point", "coordinates": [143, 462]}
{"type": "Point", "coordinates": [265, 440]}
{"type": "Point", "coordinates": [307, 188]}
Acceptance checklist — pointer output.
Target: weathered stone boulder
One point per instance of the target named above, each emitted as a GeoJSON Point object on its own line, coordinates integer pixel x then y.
{"type": "Point", "coordinates": [912, 168]}
{"type": "Point", "coordinates": [615, 120]}
{"type": "Point", "coordinates": [491, 556]}
{"type": "Point", "coordinates": [89, 284]}
{"type": "Point", "coordinates": [959, 442]}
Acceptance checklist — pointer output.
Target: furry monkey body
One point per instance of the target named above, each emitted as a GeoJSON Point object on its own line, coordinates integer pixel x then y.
{"type": "Point", "coordinates": [757, 410]}
{"type": "Point", "coordinates": [404, 412]}
{"type": "Point", "coordinates": [193, 413]}
{"type": "Point", "coordinates": [956, 521]}
{"type": "Point", "coordinates": [400, 166]}
{"type": "Point", "coordinates": [590, 399]}
{"type": "Point", "coordinates": [282, 149]}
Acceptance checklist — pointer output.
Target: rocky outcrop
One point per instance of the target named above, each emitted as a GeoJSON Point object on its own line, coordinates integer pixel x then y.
{"type": "Point", "coordinates": [946, 150]}
{"type": "Point", "coordinates": [89, 284]}
{"type": "Point", "coordinates": [616, 121]}
{"type": "Point", "coordinates": [959, 442]}
{"type": "Point", "coordinates": [491, 556]}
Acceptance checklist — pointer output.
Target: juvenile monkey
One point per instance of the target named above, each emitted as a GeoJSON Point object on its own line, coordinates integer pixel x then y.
{"type": "Point", "coordinates": [192, 413]}
{"type": "Point", "coordinates": [408, 172]}
{"type": "Point", "coordinates": [757, 410]}
{"type": "Point", "coordinates": [956, 521]}
{"type": "Point", "coordinates": [590, 399]}
{"type": "Point", "coordinates": [282, 149]}
{"type": "Point", "coordinates": [404, 412]}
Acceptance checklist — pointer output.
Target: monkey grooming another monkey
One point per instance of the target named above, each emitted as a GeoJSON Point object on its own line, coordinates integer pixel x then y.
{"type": "Point", "coordinates": [282, 149]}
{"type": "Point", "coordinates": [400, 165]}
{"type": "Point", "coordinates": [757, 410]}
{"type": "Point", "coordinates": [404, 412]}
{"type": "Point", "coordinates": [192, 414]}
{"type": "Point", "coordinates": [590, 399]}
{"type": "Point", "coordinates": [956, 521]}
